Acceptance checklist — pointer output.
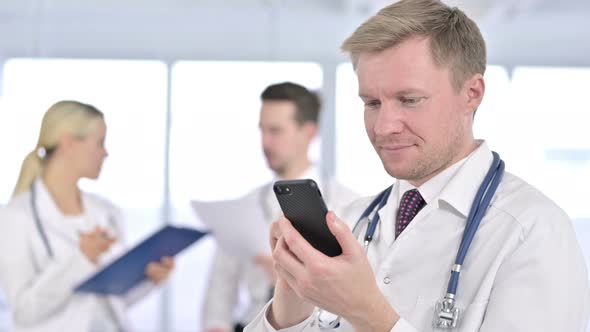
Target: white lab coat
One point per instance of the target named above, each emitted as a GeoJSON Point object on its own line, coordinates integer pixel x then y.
{"type": "Point", "coordinates": [40, 288]}
{"type": "Point", "coordinates": [229, 272]}
{"type": "Point", "coordinates": [5, 321]}
{"type": "Point", "coordinates": [524, 271]}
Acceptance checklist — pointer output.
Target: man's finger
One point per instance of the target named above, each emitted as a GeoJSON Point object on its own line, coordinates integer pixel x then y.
{"type": "Point", "coordinates": [298, 245]}
{"type": "Point", "coordinates": [275, 234]}
{"type": "Point", "coordinates": [284, 258]}
{"type": "Point", "coordinates": [343, 234]}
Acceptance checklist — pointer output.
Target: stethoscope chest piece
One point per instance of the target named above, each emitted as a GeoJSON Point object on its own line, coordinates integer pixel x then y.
{"type": "Point", "coordinates": [446, 315]}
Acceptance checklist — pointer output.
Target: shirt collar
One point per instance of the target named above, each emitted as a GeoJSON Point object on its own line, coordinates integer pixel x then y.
{"type": "Point", "coordinates": [433, 187]}
{"type": "Point", "coordinates": [457, 184]}
{"type": "Point", "coordinates": [462, 187]}
{"type": "Point", "coordinates": [312, 172]}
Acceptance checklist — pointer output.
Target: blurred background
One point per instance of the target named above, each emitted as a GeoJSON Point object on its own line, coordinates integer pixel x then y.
{"type": "Point", "coordinates": [179, 83]}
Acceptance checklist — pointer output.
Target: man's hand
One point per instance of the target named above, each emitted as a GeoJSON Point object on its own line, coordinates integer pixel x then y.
{"type": "Point", "coordinates": [95, 243]}
{"type": "Point", "coordinates": [287, 308]}
{"type": "Point", "coordinates": [344, 285]}
{"type": "Point", "coordinates": [158, 272]}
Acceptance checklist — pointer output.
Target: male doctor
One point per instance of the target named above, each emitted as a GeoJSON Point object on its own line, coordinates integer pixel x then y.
{"type": "Point", "coordinates": [420, 67]}
{"type": "Point", "coordinates": [288, 124]}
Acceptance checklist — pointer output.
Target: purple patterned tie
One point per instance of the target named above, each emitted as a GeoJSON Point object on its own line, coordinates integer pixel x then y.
{"type": "Point", "coordinates": [411, 203]}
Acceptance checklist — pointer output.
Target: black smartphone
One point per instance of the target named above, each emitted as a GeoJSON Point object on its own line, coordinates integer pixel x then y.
{"type": "Point", "coordinates": [302, 203]}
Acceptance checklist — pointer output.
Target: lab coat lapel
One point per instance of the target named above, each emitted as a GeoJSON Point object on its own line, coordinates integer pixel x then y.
{"type": "Point", "coordinates": [51, 218]}
{"type": "Point", "coordinates": [99, 215]}
{"type": "Point", "coordinates": [386, 226]}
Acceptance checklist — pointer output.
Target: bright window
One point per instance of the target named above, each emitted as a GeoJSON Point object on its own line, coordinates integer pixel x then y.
{"type": "Point", "coordinates": [551, 112]}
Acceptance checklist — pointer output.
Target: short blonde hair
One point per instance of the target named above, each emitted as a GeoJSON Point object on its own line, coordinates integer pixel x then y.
{"type": "Point", "coordinates": [455, 39]}
{"type": "Point", "coordinates": [64, 117]}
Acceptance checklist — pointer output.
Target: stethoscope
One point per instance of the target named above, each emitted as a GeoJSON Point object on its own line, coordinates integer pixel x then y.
{"type": "Point", "coordinates": [48, 248]}
{"type": "Point", "coordinates": [446, 315]}
{"type": "Point", "coordinates": [39, 223]}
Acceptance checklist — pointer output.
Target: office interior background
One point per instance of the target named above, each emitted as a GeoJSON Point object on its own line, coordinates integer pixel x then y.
{"type": "Point", "coordinates": [179, 83]}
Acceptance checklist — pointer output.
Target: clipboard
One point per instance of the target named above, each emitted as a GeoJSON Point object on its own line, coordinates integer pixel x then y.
{"type": "Point", "coordinates": [127, 271]}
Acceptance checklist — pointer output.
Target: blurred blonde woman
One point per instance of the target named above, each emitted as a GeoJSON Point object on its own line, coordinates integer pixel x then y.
{"type": "Point", "coordinates": [53, 235]}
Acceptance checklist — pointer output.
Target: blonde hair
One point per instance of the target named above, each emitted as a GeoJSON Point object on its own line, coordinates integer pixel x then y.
{"type": "Point", "coordinates": [455, 39]}
{"type": "Point", "coordinates": [64, 117]}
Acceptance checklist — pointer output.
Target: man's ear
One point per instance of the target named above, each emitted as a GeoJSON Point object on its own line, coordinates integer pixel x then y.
{"type": "Point", "coordinates": [310, 128]}
{"type": "Point", "coordinates": [475, 88]}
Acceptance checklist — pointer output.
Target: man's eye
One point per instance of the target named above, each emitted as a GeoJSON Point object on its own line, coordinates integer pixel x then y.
{"type": "Point", "coordinates": [274, 131]}
{"type": "Point", "coordinates": [410, 101]}
{"type": "Point", "coordinates": [372, 104]}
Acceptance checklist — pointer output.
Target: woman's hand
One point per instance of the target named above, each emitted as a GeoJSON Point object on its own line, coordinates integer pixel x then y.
{"type": "Point", "coordinates": [95, 243]}
{"type": "Point", "coordinates": [158, 272]}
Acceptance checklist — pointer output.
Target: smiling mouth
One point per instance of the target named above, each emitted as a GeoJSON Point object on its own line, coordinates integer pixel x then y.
{"type": "Point", "coordinates": [395, 147]}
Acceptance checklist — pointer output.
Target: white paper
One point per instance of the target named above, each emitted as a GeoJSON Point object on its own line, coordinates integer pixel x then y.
{"type": "Point", "coordinates": [237, 225]}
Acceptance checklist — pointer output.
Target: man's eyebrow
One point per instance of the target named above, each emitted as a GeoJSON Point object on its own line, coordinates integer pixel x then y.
{"type": "Point", "coordinates": [403, 92]}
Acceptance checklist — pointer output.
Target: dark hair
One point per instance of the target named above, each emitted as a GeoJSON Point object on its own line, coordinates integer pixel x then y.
{"type": "Point", "coordinates": [307, 102]}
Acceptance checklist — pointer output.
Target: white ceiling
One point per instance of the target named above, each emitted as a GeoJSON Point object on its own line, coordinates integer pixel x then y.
{"type": "Point", "coordinates": [539, 32]}
{"type": "Point", "coordinates": [478, 8]}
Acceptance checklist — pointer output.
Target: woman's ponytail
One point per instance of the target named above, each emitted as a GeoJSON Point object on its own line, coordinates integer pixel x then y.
{"type": "Point", "coordinates": [30, 170]}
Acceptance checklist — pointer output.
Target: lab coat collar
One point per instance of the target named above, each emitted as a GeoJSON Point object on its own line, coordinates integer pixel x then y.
{"type": "Point", "coordinates": [50, 214]}
{"type": "Point", "coordinates": [45, 205]}
{"type": "Point", "coordinates": [462, 187]}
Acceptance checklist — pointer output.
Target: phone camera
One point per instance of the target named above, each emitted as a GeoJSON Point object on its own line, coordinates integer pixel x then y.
{"type": "Point", "coordinates": [283, 190]}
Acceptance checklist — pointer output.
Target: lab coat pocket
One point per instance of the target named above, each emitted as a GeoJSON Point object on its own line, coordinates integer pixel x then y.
{"type": "Point", "coordinates": [470, 316]}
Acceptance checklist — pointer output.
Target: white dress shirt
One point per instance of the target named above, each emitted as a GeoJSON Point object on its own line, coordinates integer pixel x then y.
{"type": "Point", "coordinates": [524, 270]}
{"type": "Point", "coordinates": [229, 273]}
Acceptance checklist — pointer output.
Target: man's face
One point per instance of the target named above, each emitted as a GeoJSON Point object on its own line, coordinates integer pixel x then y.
{"type": "Point", "coordinates": [417, 122]}
{"type": "Point", "coordinates": [284, 140]}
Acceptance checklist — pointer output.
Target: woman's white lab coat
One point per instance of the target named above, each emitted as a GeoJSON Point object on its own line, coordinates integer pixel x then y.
{"type": "Point", "coordinates": [39, 287]}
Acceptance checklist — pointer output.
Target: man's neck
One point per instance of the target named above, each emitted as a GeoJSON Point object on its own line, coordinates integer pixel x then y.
{"type": "Point", "coordinates": [63, 188]}
{"type": "Point", "coordinates": [472, 146]}
{"type": "Point", "coordinates": [296, 170]}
